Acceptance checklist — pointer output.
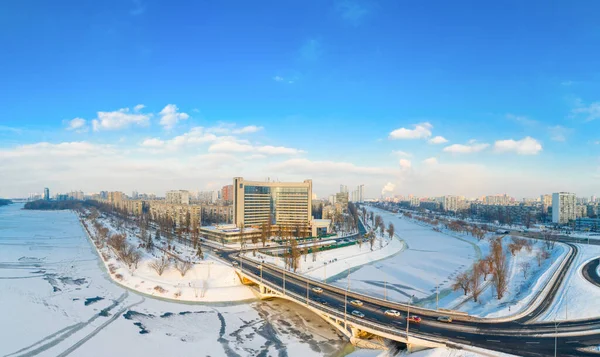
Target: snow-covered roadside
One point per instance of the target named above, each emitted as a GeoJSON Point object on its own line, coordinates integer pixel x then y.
{"type": "Point", "coordinates": [419, 235]}
{"type": "Point", "coordinates": [429, 258]}
{"type": "Point", "coordinates": [577, 298]}
{"type": "Point", "coordinates": [208, 280]}
{"type": "Point", "coordinates": [521, 289]}
{"type": "Point", "coordinates": [335, 261]}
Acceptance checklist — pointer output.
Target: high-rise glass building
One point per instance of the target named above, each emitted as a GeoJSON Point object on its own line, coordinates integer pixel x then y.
{"type": "Point", "coordinates": [286, 204]}
{"type": "Point", "coordinates": [46, 194]}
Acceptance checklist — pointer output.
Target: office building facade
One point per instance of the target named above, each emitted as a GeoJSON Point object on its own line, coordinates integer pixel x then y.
{"type": "Point", "coordinates": [280, 203]}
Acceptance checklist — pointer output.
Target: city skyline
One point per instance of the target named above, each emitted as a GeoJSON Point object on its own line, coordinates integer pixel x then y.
{"type": "Point", "coordinates": [388, 95]}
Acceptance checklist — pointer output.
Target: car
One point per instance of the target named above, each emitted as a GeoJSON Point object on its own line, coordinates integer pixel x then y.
{"type": "Point", "coordinates": [393, 313]}
{"type": "Point", "coordinates": [447, 319]}
{"type": "Point", "coordinates": [356, 303]}
{"type": "Point", "coordinates": [415, 319]}
{"type": "Point", "coordinates": [259, 266]}
{"type": "Point", "coordinates": [358, 314]}
{"type": "Point", "coordinates": [317, 290]}
{"type": "Point", "coordinates": [322, 301]}
{"type": "Point", "coordinates": [234, 263]}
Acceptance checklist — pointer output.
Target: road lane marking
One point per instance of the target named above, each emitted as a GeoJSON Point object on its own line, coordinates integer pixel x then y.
{"type": "Point", "coordinates": [533, 342]}
{"type": "Point", "coordinates": [461, 337]}
{"type": "Point", "coordinates": [493, 340]}
{"type": "Point", "coordinates": [572, 342]}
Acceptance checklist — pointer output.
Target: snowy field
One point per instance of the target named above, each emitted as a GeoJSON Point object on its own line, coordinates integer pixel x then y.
{"type": "Point", "coordinates": [429, 258]}
{"type": "Point", "coordinates": [208, 280]}
{"type": "Point", "coordinates": [577, 299]}
{"type": "Point", "coordinates": [56, 300]}
{"type": "Point", "coordinates": [335, 261]}
{"type": "Point", "coordinates": [433, 257]}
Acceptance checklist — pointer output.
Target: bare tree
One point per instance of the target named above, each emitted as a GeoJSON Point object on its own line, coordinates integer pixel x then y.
{"type": "Point", "coordinates": [475, 281]}
{"type": "Point", "coordinates": [549, 239]}
{"type": "Point", "coordinates": [160, 265]}
{"type": "Point", "coordinates": [500, 279]}
{"type": "Point", "coordinates": [462, 281]}
{"type": "Point", "coordinates": [183, 266]}
{"type": "Point", "coordinates": [525, 268]}
{"type": "Point", "coordinates": [485, 267]}
{"type": "Point", "coordinates": [391, 230]}
{"type": "Point", "coordinates": [371, 239]}
{"type": "Point", "coordinates": [263, 234]}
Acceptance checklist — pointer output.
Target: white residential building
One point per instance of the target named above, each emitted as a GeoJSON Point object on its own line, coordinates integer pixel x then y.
{"type": "Point", "coordinates": [563, 207]}
{"type": "Point", "coordinates": [179, 197]}
{"type": "Point", "coordinates": [450, 203]}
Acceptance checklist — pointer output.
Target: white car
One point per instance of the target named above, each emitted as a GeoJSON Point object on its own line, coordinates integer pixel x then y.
{"type": "Point", "coordinates": [234, 263]}
{"type": "Point", "coordinates": [393, 313]}
{"type": "Point", "coordinates": [358, 314]}
{"type": "Point", "coordinates": [259, 266]}
{"type": "Point", "coordinates": [356, 303]}
{"type": "Point", "coordinates": [317, 290]}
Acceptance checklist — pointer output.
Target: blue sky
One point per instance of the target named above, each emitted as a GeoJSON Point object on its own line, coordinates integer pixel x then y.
{"type": "Point", "coordinates": [322, 88]}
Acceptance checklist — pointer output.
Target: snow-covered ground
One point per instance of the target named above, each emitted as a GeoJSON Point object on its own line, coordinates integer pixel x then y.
{"type": "Point", "coordinates": [577, 298]}
{"type": "Point", "coordinates": [433, 352]}
{"type": "Point", "coordinates": [208, 280]}
{"type": "Point", "coordinates": [430, 257]}
{"type": "Point", "coordinates": [56, 298]}
{"type": "Point", "coordinates": [335, 261]}
{"type": "Point", "coordinates": [438, 257]}
{"type": "Point", "coordinates": [521, 289]}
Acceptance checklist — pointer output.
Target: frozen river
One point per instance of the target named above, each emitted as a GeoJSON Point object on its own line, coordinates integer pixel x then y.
{"type": "Point", "coordinates": [56, 300]}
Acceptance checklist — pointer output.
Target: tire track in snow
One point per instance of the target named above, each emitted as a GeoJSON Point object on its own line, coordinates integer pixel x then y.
{"type": "Point", "coordinates": [59, 336]}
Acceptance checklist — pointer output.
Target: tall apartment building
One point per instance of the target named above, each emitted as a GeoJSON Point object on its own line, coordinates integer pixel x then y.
{"type": "Point", "coordinates": [501, 200]}
{"type": "Point", "coordinates": [115, 197]}
{"type": "Point", "coordinates": [46, 194]}
{"type": "Point", "coordinates": [563, 207]}
{"type": "Point", "coordinates": [281, 203]}
{"type": "Point", "coordinates": [361, 193]}
{"type": "Point", "coordinates": [450, 203]}
{"type": "Point", "coordinates": [180, 197]}
{"type": "Point", "coordinates": [227, 193]}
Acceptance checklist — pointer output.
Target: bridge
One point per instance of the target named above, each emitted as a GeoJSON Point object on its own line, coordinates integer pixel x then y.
{"type": "Point", "coordinates": [520, 335]}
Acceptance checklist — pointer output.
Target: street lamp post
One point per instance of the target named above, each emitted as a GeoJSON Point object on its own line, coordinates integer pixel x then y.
{"type": "Point", "coordinates": [437, 294]}
{"type": "Point", "coordinates": [325, 272]}
{"type": "Point", "coordinates": [283, 281]}
{"type": "Point", "coordinates": [384, 290]}
{"type": "Point", "coordinates": [556, 337]}
{"type": "Point", "coordinates": [307, 292]}
{"type": "Point", "coordinates": [346, 301]}
{"type": "Point", "coordinates": [408, 317]}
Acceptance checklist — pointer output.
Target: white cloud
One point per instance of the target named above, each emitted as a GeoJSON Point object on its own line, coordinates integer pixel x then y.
{"type": "Point", "coordinates": [170, 116]}
{"type": "Point", "coordinates": [587, 112]}
{"type": "Point", "coordinates": [248, 129]}
{"type": "Point", "coordinates": [421, 131]}
{"type": "Point", "coordinates": [352, 11]}
{"type": "Point", "coordinates": [522, 119]}
{"type": "Point", "coordinates": [388, 187]}
{"type": "Point", "coordinates": [525, 146]}
{"type": "Point", "coordinates": [153, 143]}
{"type": "Point", "coordinates": [277, 150]}
{"type": "Point", "coordinates": [405, 163]}
{"type": "Point", "coordinates": [327, 168]}
{"type": "Point", "coordinates": [232, 145]}
{"type": "Point", "coordinates": [139, 107]}
{"type": "Point", "coordinates": [559, 132]}
{"type": "Point", "coordinates": [430, 161]}
{"type": "Point", "coordinates": [278, 79]}
{"type": "Point", "coordinates": [466, 149]}
{"type": "Point", "coordinates": [400, 153]}
{"type": "Point", "coordinates": [77, 124]}
{"type": "Point", "coordinates": [437, 140]}
{"type": "Point", "coordinates": [119, 119]}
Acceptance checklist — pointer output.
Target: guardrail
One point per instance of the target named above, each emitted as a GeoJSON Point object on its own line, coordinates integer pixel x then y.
{"type": "Point", "coordinates": [348, 317]}
{"type": "Point", "coordinates": [362, 297]}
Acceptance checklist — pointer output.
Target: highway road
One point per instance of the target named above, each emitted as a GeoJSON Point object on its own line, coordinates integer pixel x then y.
{"type": "Point", "coordinates": [510, 337]}
{"type": "Point", "coordinates": [590, 272]}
